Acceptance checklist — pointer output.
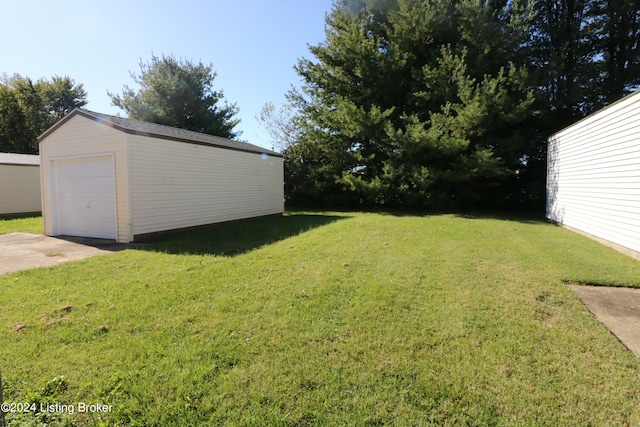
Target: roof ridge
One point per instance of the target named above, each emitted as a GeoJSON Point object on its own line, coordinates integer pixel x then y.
{"type": "Point", "coordinates": [167, 127]}
{"type": "Point", "coordinates": [139, 127]}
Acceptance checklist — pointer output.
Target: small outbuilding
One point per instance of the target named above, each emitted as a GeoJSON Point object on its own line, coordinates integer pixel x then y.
{"type": "Point", "coordinates": [593, 175]}
{"type": "Point", "coordinates": [19, 184]}
{"type": "Point", "coordinates": [114, 178]}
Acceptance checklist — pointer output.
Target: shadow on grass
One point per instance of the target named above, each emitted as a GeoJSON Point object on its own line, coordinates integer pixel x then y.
{"type": "Point", "coordinates": [517, 216]}
{"type": "Point", "coordinates": [236, 238]}
{"type": "Point", "coordinates": [8, 217]}
{"type": "Point", "coordinates": [602, 284]}
{"type": "Point", "coordinates": [523, 217]}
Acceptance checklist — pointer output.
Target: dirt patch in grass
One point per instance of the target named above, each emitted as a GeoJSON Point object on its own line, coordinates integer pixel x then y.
{"type": "Point", "coordinates": [18, 326]}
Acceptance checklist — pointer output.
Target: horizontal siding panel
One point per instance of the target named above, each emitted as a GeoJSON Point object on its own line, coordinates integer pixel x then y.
{"type": "Point", "coordinates": [583, 211]}
{"type": "Point", "coordinates": [19, 189]}
{"type": "Point", "coordinates": [608, 183]}
{"type": "Point", "coordinates": [611, 231]}
{"type": "Point", "coordinates": [605, 161]}
{"type": "Point", "coordinates": [593, 224]}
{"type": "Point", "coordinates": [593, 174]}
{"type": "Point", "coordinates": [167, 221]}
{"type": "Point", "coordinates": [622, 112]}
{"type": "Point", "coordinates": [617, 132]}
{"type": "Point", "coordinates": [82, 137]}
{"type": "Point", "coordinates": [603, 154]}
{"type": "Point", "coordinates": [177, 185]}
{"type": "Point", "coordinates": [612, 215]}
{"type": "Point", "coordinates": [597, 205]}
{"type": "Point", "coordinates": [609, 203]}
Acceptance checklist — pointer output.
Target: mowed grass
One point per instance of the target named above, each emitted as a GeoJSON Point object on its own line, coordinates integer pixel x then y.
{"type": "Point", "coordinates": [326, 319]}
{"type": "Point", "coordinates": [20, 223]}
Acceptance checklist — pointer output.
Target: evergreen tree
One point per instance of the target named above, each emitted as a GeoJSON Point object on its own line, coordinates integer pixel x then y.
{"type": "Point", "coordinates": [448, 103]}
{"type": "Point", "coordinates": [414, 106]}
{"type": "Point", "coordinates": [562, 55]}
{"type": "Point", "coordinates": [179, 94]}
{"type": "Point", "coordinates": [615, 35]}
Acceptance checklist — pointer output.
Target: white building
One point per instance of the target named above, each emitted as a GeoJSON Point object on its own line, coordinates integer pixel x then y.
{"type": "Point", "coordinates": [19, 184]}
{"type": "Point", "coordinates": [116, 178]}
{"type": "Point", "coordinates": [593, 175]}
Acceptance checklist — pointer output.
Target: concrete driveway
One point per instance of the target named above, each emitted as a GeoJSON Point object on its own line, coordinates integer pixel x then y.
{"type": "Point", "coordinates": [22, 251]}
{"type": "Point", "coordinates": [617, 308]}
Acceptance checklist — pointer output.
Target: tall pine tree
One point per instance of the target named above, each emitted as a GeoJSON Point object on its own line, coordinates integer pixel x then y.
{"type": "Point", "coordinates": [448, 103]}
{"type": "Point", "coordinates": [178, 93]}
{"type": "Point", "coordinates": [615, 36]}
{"type": "Point", "coordinates": [412, 104]}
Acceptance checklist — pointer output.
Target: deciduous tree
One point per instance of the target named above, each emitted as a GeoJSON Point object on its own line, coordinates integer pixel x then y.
{"type": "Point", "coordinates": [28, 108]}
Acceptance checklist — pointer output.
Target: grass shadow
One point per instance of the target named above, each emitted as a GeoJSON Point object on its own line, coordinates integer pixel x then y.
{"type": "Point", "coordinates": [104, 244]}
{"type": "Point", "coordinates": [235, 238]}
{"type": "Point", "coordinates": [522, 217]}
{"type": "Point", "coordinates": [527, 217]}
{"type": "Point", "coordinates": [8, 217]}
{"type": "Point", "coordinates": [601, 284]}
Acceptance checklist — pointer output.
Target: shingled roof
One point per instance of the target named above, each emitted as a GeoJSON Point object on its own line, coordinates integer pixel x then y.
{"type": "Point", "coordinates": [136, 127]}
{"type": "Point", "coordinates": [19, 159]}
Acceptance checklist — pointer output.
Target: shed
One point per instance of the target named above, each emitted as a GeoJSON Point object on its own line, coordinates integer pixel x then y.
{"type": "Point", "coordinates": [593, 175]}
{"type": "Point", "coordinates": [19, 184]}
{"type": "Point", "coordinates": [114, 178]}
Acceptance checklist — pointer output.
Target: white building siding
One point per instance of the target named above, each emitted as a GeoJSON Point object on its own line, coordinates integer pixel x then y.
{"type": "Point", "coordinates": [176, 184]}
{"type": "Point", "coordinates": [19, 189]}
{"type": "Point", "coordinates": [593, 174]}
{"type": "Point", "coordinates": [80, 137]}
{"type": "Point", "coordinates": [163, 178]}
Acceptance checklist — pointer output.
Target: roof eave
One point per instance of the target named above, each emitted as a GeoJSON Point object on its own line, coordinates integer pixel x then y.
{"type": "Point", "coordinates": [111, 124]}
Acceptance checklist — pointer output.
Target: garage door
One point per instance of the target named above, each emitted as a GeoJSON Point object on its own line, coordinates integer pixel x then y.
{"type": "Point", "coordinates": [84, 197]}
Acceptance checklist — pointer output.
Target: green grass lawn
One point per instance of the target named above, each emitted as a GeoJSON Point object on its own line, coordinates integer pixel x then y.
{"type": "Point", "coordinates": [325, 319]}
{"type": "Point", "coordinates": [24, 224]}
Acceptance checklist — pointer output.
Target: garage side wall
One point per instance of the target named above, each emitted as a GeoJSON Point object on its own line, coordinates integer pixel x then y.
{"type": "Point", "coordinates": [177, 185]}
{"type": "Point", "coordinates": [79, 138]}
{"type": "Point", "coordinates": [593, 174]}
{"type": "Point", "coordinates": [19, 189]}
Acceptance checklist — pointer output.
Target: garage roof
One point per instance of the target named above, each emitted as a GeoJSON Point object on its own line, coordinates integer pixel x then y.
{"type": "Point", "coordinates": [19, 159]}
{"type": "Point", "coordinates": [155, 130]}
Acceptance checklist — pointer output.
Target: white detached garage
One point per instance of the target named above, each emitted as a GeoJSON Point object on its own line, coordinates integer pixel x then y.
{"type": "Point", "coordinates": [593, 175]}
{"type": "Point", "coordinates": [115, 178]}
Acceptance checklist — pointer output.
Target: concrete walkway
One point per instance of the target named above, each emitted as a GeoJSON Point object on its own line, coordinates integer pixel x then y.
{"type": "Point", "coordinates": [617, 308]}
{"type": "Point", "coordinates": [22, 251]}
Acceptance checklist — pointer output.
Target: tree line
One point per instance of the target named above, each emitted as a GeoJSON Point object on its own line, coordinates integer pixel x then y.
{"type": "Point", "coordinates": [447, 104]}
{"type": "Point", "coordinates": [28, 108]}
{"type": "Point", "coordinates": [437, 104]}
{"type": "Point", "coordinates": [170, 91]}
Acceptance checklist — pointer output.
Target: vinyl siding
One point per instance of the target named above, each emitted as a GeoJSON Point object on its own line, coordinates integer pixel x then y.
{"type": "Point", "coordinates": [19, 189]}
{"type": "Point", "coordinates": [81, 137]}
{"type": "Point", "coordinates": [177, 185]}
{"type": "Point", "coordinates": [593, 174]}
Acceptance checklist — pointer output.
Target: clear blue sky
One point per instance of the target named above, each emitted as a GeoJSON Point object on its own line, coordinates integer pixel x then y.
{"type": "Point", "coordinates": [252, 44]}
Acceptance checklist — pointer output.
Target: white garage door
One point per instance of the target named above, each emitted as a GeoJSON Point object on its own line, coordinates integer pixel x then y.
{"type": "Point", "coordinates": [84, 197]}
